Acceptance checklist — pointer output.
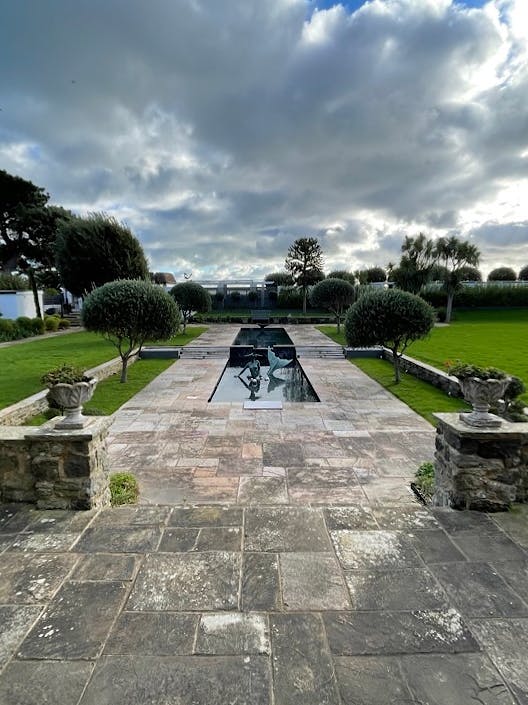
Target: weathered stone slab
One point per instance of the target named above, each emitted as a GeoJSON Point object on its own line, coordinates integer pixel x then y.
{"type": "Point", "coordinates": [14, 517]}
{"type": "Point", "coordinates": [43, 542]}
{"type": "Point", "coordinates": [516, 575]}
{"type": "Point", "coordinates": [195, 680]}
{"type": "Point", "coordinates": [506, 642]}
{"type": "Point", "coordinates": [76, 622]}
{"type": "Point", "coordinates": [464, 679]}
{"type": "Point", "coordinates": [370, 680]}
{"type": "Point", "coordinates": [32, 578]}
{"type": "Point", "coordinates": [281, 529]}
{"type": "Point", "coordinates": [492, 548]}
{"type": "Point", "coordinates": [435, 546]}
{"type": "Point", "coordinates": [262, 490]}
{"type": "Point", "coordinates": [399, 589]}
{"type": "Point", "coordinates": [43, 682]}
{"type": "Point", "coordinates": [178, 540]}
{"type": "Point", "coordinates": [14, 624]}
{"type": "Point", "coordinates": [6, 540]}
{"type": "Point", "coordinates": [106, 566]}
{"type": "Point", "coordinates": [478, 591]}
{"type": "Point", "coordinates": [130, 515]}
{"type": "Point", "coordinates": [226, 633]}
{"type": "Point", "coordinates": [454, 521]}
{"type": "Point", "coordinates": [59, 521]}
{"type": "Point", "coordinates": [388, 633]}
{"type": "Point", "coordinates": [158, 634]}
{"type": "Point", "coordinates": [120, 539]}
{"type": "Point", "coordinates": [187, 582]}
{"type": "Point", "coordinates": [409, 518]}
{"type": "Point", "coordinates": [302, 666]}
{"type": "Point", "coordinates": [357, 517]}
{"type": "Point", "coordinates": [206, 516]}
{"type": "Point", "coordinates": [283, 454]}
{"type": "Point", "coordinates": [260, 582]}
{"type": "Point", "coordinates": [373, 549]}
{"type": "Point", "coordinates": [515, 523]}
{"type": "Point", "coordinates": [312, 581]}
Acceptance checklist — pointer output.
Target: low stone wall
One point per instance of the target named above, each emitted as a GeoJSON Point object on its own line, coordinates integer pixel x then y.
{"type": "Point", "coordinates": [427, 373]}
{"type": "Point", "coordinates": [482, 469]}
{"type": "Point", "coordinates": [55, 469]}
{"type": "Point", "coordinates": [16, 414]}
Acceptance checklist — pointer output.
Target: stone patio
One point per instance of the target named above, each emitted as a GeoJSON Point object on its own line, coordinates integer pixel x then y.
{"type": "Point", "coordinates": [277, 558]}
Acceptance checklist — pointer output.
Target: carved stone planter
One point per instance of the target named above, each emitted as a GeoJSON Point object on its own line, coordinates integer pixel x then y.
{"type": "Point", "coordinates": [481, 394]}
{"type": "Point", "coordinates": [71, 397]}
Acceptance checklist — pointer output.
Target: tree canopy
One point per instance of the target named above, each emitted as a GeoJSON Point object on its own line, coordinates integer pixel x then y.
{"type": "Point", "coordinates": [336, 295]}
{"type": "Point", "coordinates": [416, 263]}
{"type": "Point", "coordinates": [389, 317]}
{"type": "Point", "coordinates": [342, 274]}
{"type": "Point", "coordinates": [280, 278]}
{"type": "Point", "coordinates": [305, 263]}
{"type": "Point", "coordinates": [453, 255]}
{"type": "Point", "coordinates": [523, 274]}
{"type": "Point", "coordinates": [190, 297]}
{"type": "Point", "coordinates": [502, 274]}
{"type": "Point", "coordinates": [97, 249]}
{"type": "Point", "coordinates": [129, 313]}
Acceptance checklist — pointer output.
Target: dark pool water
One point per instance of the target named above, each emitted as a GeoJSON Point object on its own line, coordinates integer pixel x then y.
{"type": "Point", "coordinates": [262, 337]}
{"type": "Point", "coordinates": [286, 384]}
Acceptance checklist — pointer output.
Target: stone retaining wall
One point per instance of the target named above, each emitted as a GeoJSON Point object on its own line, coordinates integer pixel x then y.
{"type": "Point", "coordinates": [55, 469]}
{"type": "Point", "coordinates": [427, 373]}
{"type": "Point", "coordinates": [482, 469]}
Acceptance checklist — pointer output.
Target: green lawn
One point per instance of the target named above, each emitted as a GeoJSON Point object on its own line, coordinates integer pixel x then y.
{"type": "Point", "coordinates": [484, 337]}
{"type": "Point", "coordinates": [22, 365]}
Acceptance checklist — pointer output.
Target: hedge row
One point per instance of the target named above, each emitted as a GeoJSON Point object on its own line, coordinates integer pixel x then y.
{"type": "Point", "coordinates": [24, 327]}
{"type": "Point", "coordinates": [480, 296]}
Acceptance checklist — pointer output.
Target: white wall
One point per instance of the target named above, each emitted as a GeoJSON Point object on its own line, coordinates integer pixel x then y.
{"type": "Point", "coordinates": [18, 303]}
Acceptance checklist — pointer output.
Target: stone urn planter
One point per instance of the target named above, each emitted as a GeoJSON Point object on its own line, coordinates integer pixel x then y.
{"type": "Point", "coordinates": [69, 389]}
{"type": "Point", "coordinates": [482, 387]}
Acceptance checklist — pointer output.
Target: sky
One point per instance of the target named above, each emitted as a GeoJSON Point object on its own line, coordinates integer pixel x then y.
{"type": "Point", "coordinates": [220, 131]}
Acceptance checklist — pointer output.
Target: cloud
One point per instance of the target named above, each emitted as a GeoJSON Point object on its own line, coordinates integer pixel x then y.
{"type": "Point", "coordinates": [223, 131]}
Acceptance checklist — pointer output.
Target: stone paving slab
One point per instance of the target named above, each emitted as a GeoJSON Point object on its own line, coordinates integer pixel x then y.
{"type": "Point", "coordinates": [44, 682]}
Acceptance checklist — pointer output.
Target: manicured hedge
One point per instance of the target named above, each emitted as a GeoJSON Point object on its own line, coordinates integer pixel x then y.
{"type": "Point", "coordinates": [480, 296]}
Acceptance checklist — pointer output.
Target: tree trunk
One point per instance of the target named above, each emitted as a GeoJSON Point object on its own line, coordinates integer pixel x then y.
{"type": "Point", "coordinates": [33, 283]}
{"type": "Point", "coordinates": [305, 293]}
{"type": "Point", "coordinates": [184, 324]}
{"type": "Point", "coordinates": [124, 360]}
{"type": "Point", "coordinates": [338, 318]}
{"type": "Point", "coordinates": [396, 363]}
{"type": "Point", "coordinates": [449, 307]}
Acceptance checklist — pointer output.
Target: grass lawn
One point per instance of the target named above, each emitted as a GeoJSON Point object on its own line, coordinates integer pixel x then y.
{"type": "Point", "coordinates": [485, 337]}
{"type": "Point", "coordinates": [22, 365]}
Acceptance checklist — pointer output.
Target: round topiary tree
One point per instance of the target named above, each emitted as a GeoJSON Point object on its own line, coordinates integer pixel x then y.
{"type": "Point", "coordinates": [129, 312]}
{"type": "Point", "coordinates": [375, 275]}
{"type": "Point", "coordinates": [342, 274]}
{"type": "Point", "coordinates": [502, 274]}
{"type": "Point", "coordinates": [523, 274]}
{"type": "Point", "coordinates": [191, 298]}
{"type": "Point", "coordinates": [98, 249]}
{"type": "Point", "coordinates": [392, 318]}
{"type": "Point", "coordinates": [336, 295]}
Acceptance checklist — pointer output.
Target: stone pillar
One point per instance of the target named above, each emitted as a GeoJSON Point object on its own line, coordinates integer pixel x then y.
{"type": "Point", "coordinates": [56, 469]}
{"type": "Point", "coordinates": [477, 468]}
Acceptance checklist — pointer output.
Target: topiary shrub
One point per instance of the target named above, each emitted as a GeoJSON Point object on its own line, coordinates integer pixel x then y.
{"type": "Point", "coordinates": [128, 313]}
{"type": "Point", "coordinates": [502, 274]}
{"type": "Point", "coordinates": [51, 323]}
{"type": "Point", "coordinates": [190, 297]}
{"type": "Point", "coordinates": [388, 317]}
{"type": "Point", "coordinates": [8, 330]}
{"type": "Point", "coordinates": [64, 323]}
{"type": "Point", "coordinates": [37, 326]}
{"type": "Point", "coordinates": [290, 297]}
{"type": "Point", "coordinates": [24, 327]}
{"type": "Point", "coordinates": [336, 295]}
{"type": "Point", "coordinates": [523, 274]}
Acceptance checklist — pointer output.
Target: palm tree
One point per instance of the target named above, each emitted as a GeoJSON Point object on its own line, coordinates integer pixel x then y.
{"type": "Point", "coordinates": [455, 255]}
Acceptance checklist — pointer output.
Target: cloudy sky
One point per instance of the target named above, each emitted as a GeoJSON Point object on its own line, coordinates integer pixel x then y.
{"type": "Point", "coordinates": [222, 130]}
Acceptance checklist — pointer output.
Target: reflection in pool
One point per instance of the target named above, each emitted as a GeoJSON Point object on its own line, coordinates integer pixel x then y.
{"type": "Point", "coordinates": [285, 384]}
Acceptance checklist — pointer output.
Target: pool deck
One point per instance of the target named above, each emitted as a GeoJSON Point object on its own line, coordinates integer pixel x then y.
{"type": "Point", "coordinates": [278, 557]}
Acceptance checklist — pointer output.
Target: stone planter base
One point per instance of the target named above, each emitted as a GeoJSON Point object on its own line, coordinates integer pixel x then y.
{"type": "Point", "coordinates": [485, 469]}
{"type": "Point", "coordinates": [55, 469]}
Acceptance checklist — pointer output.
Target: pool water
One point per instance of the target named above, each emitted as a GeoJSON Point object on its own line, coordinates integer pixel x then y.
{"type": "Point", "coordinates": [286, 384]}
{"type": "Point", "coordinates": [262, 337]}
